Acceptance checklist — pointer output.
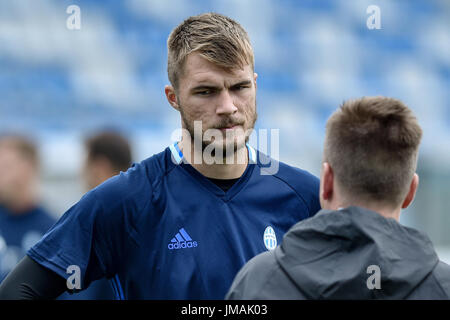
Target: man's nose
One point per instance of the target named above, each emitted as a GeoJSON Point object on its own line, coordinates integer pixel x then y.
{"type": "Point", "coordinates": [226, 103]}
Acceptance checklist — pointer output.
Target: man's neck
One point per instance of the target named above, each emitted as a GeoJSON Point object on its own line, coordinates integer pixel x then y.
{"type": "Point", "coordinates": [388, 213]}
{"type": "Point", "coordinates": [231, 168]}
{"type": "Point", "coordinates": [385, 212]}
{"type": "Point", "coordinates": [21, 200]}
{"type": "Point", "coordinates": [18, 208]}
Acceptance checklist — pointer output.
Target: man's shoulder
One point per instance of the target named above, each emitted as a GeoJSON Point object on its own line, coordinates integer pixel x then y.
{"type": "Point", "coordinates": [442, 276]}
{"type": "Point", "coordinates": [156, 165]}
{"type": "Point", "coordinates": [303, 183]}
{"type": "Point", "coordinates": [137, 182]}
{"type": "Point", "coordinates": [272, 167]}
{"type": "Point", "coordinates": [253, 276]}
{"type": "Point", "coordinates": [262, 263]}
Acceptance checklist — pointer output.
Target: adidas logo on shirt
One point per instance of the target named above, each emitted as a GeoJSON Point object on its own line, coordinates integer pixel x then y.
{"type": "Point", "coordinates": [181, 241]}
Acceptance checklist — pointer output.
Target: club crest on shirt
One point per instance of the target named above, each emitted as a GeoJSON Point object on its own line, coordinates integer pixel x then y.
{"type": "Point", "coordinates": [270, 239]}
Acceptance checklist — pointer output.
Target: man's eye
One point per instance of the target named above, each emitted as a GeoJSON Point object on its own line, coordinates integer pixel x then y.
{"type": "Point", "coordinates": [204, 92]}
{"type": "Point", "coordinates": [240, 87]}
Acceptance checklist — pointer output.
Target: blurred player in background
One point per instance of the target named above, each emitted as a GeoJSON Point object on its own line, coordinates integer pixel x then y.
{"type": "Point", "coordinates": [23, 221]}
{"type": "Point", "coordinates": [107, 154]}
{"type": "Point", "coordinates": [356, 248]}
{"type": "Point", "coordinates": [172, 227]}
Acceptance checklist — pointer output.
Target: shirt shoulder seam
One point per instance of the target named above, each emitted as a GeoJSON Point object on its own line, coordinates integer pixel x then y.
{"type": "Point", "coordinates": [295, 191]}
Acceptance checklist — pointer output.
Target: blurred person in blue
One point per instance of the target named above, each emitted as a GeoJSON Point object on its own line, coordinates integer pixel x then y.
{"type": "Point", "coordinates": [172, 227]}
{"type": "Point", "coordinates": [107, 154]}
{"type": "Point", "coordinates": [23, 221]}
{"type": "Point", "coordinates": [355, 247]}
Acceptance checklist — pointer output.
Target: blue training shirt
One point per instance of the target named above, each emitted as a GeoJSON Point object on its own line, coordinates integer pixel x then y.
{"type": "Point", "coordinates": [164, 231]}
{"type": "Point", "coordinates": [18, 233]}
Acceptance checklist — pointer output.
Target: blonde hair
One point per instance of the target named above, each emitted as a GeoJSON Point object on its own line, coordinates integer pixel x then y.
{"type": "Point", "coordinates": [217, 38]}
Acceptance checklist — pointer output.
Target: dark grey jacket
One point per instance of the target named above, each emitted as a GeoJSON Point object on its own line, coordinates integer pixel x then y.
{"type": "Point", "coordinates": [332, 256]}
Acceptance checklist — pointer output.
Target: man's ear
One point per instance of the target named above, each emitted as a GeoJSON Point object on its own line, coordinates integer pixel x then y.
{"type": "Point", "coordinates": [328, 181]}
{"type": "Point", "coordinates": [255, 75]}
{"type": "Point", "coordinates": [171, 97]}
{"type": "Point", "coordinates": [326, 184]}
{"type": "Point", "coordinates": [412, 191]}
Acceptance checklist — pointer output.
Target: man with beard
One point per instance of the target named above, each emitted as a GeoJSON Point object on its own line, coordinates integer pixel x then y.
{"type": "Point", "coordinates": [180, 224]}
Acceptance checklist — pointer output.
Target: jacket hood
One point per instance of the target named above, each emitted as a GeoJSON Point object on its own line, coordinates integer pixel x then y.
{"type": "Point", "coordinates": [328, 255]}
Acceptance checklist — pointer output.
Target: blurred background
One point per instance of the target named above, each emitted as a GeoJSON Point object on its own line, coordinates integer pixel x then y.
{"type": "Point", "coordinates": [59, 85]}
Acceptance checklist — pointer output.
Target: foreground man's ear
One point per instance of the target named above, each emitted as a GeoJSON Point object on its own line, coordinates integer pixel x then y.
{"type": "Point", "coordinates": [412, 191]}
{"type": "Point", "coordinates": [326, 185]}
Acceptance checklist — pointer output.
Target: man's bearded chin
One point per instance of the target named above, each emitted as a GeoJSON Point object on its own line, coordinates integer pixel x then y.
{"type": "Point", "coordinates": [232, 141]}
{"type": "Point", "coordinates": [236, 140]}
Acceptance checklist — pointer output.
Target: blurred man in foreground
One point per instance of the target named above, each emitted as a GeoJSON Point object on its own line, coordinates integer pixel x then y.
{"type": "Point", "coordinates": [355, 248]}
{"type": "Point", "coordinates": [22, 220]}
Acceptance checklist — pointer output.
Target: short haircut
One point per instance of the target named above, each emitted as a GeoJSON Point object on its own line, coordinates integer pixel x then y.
{"type": "Point", "coordinates": [23, 145]}
{"type": "Point", "coordinates": [217, 38]}
{"type": "Point", "coordinates": [112, 146]}
{"type": "Point", "coordinates": [372, 146]}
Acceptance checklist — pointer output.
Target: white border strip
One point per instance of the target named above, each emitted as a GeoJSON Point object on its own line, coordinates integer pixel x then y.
{"type": "Point", "coordinates": [251, 154]}
{"type": "Point", "coordinates": [175, 153]}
